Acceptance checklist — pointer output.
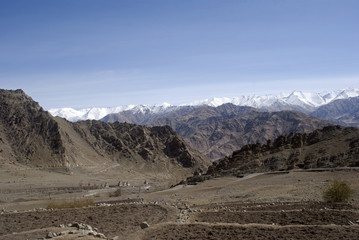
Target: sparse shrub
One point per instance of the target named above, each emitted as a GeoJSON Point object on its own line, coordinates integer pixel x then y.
{"type": "Point", "coordinates": [338, 191]}
{"type": "Point", "coordinates": [116, 193]}
{"type": "Point", "coordinates": [70, 203]}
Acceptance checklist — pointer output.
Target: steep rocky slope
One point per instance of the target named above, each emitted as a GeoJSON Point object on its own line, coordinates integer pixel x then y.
{"type": "Point", "coordinates": [31, 137]}
{"type": "Point", "coordinates": [218, 131]}
{"type": "Point", "coordinates": [344, 112]}
{"type": "Point", "coordinates": [329, 147]}
{"type": "Point", "coordinates": [143, 145]}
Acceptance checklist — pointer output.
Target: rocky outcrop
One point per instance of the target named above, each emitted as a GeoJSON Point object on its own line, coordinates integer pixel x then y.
{"type": "Point", "coordinates": [329, 147]}
{"type": "Point", "coordinates": [31, 132]}
{"type": "Point", "coordinates": [142, 144]}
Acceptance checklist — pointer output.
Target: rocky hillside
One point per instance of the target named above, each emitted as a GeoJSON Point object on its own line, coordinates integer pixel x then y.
{"type": "Point", "coordinates": [218, 131]}
{"type": "Point", "coordinates": [329, 147]}
{"type": "Point", "coordinates": [31, 137]}
{"type": "Point", "coordinates": [344, 112]}
{"type": "Point", "coordinates": [28, 134]}
{"type": "Point", "coordinates": [149, 145]}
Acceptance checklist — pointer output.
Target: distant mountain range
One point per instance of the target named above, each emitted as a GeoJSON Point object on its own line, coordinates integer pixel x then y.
{"type": "Point", "coordinates": [218, 131]}
{"type": "Point", "coordinates": [305, 102]}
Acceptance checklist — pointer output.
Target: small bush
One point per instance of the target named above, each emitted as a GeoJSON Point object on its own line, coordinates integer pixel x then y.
{"type": "Point", "coordinates": [116, 193]}
{"type": "Point", "coordinates": [70, 203]}
{"type": "Point", "coordinates": [338, 191]}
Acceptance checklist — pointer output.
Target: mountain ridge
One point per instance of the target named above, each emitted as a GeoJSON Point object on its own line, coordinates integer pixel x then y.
{"type": "Point", "coordinates": [297, 100]}
{"type": "Point", "coordinates": [294, 151]}
{"type": "Point", "coordinates": [217, 131]}
{"type": "Point", "coordinates": [342, 111]}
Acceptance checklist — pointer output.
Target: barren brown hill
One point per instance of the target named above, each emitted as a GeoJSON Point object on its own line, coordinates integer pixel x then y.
{"type": "Point", "coordinates": [142, 145]}
{"type": "Point", "coordinates": [329, 147]}
{"type": "Point", "coordinates": [28, 134]}
{"type": "Point", "coordinates": [31, 137]}
{"type": "Point", "coordinates": [218, 131]}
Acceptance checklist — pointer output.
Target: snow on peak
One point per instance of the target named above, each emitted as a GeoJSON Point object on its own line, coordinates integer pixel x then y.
{"type": "Point", "coordinates": [213, 102]}
{"type": "Point", "coordinates": [96, 113]}
{"type": "Point", "coordinates": [68, 113]}
{"type": "Point", "coordinates": [306, 100]}
{"type": "Point", "coordinates": [347, 93]}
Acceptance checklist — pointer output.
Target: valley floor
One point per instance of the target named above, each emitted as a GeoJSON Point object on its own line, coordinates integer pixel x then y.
{"type": "Point", "coordinates": [259, 206]}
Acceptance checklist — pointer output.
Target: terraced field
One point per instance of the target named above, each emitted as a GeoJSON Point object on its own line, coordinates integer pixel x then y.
{"type": "Point", "coordinates": [240, 220]}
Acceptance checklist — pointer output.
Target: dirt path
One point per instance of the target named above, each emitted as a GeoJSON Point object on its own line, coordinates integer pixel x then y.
{"type": "Point", "coordinates": [203, 231]}
{"type": "Point", "coordinates": [241, 220]}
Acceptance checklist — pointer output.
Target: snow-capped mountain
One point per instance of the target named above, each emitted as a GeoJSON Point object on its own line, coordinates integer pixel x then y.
{"type": "Point", "coordinates": [297, 100]}
{"type": "Point", "coordinates": [98, 113]}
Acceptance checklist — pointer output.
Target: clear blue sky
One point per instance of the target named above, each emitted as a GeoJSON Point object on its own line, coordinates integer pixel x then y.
{"type": "Point", "coordinates": [84, 53]}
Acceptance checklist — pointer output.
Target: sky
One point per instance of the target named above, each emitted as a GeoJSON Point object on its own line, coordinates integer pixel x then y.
{"type": "Point", "coordinates": [96, 53]}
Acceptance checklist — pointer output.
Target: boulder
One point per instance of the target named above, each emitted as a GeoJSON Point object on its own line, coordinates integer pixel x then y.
{"type": "Point", "coordinates": [144, 225]}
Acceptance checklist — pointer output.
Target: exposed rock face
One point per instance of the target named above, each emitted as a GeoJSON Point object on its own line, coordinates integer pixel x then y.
{"type": "Point", "coordinates": [329, 147]}
{"type": "Point", "coordinates": [217, 132]}
{"type": "Point", "coordinates": [31, 133]}
{"type": "Point", "coordinates": [31, 136]}
{"type": "Point", "coordinates": [344, 112]}
{"type": "Point", "coordinates": [151, 144]}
